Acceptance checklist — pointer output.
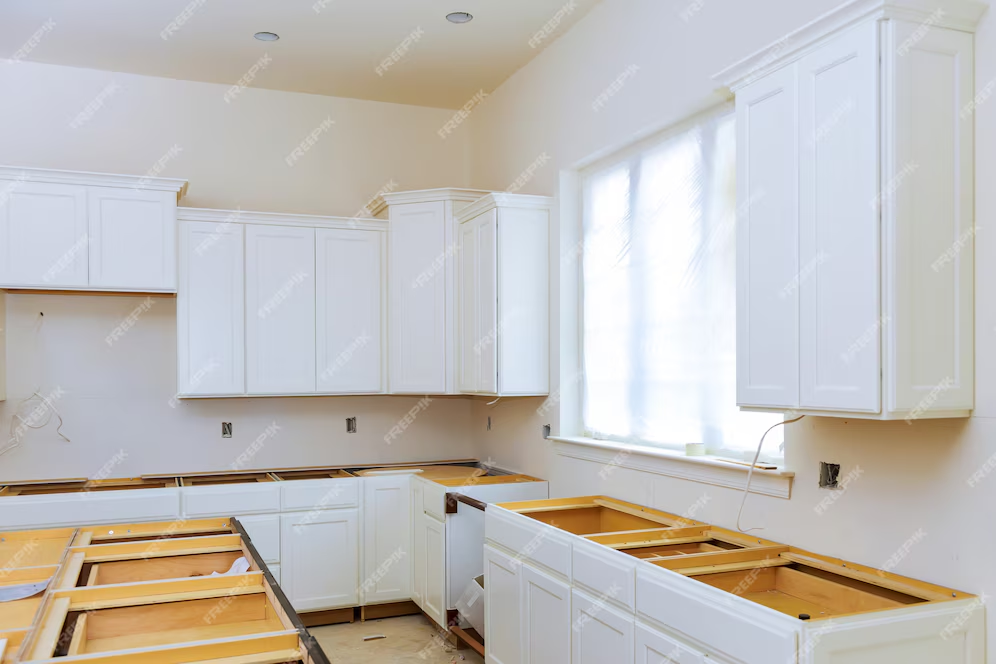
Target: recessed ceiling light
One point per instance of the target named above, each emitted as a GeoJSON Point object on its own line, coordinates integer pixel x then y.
{"type": "Point", "coordinates": [460, 17]}
{"type": "Point", "coordinates": [266, 36]}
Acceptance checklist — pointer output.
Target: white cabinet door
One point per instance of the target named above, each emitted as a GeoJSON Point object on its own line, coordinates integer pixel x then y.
{"type": "Point", "coordinates": [768, 271]}
{"type": "Point", "coordinates": [434, 599]}
{"type": "Point", "coordinates": [502, 605]}
{"type": "Point", "coordinates": [386, 539]}
{"type": "Point", "coordinates": [417, 302]}
{"type": "Point", "coordinates": [479, 325]}
{"type": "Point", "coordinates": [210, 310]}
{"type": "Point", "coordinates": [598, 633]}
{"type": "Point", "coordinates": [43, 235]}
{"type": "Point", "coordinates": [264, 531]}
{"type": "Point", "coordinates": [280, 316]}
{"type": "Point", "coordinates": [319, 559]}
{"type": "Point", "coordinates": [839, 269]}
{"type": "Point", "coordinates": [653, 647]}
{"type": "Point", "coordinates": [349, 274]}
{"type": "Point", "coordinates": [132, 239]}
{"type": "Point", "coordinates": [546, 618]}
{"type": "Point", "coordinates": [418, 544]}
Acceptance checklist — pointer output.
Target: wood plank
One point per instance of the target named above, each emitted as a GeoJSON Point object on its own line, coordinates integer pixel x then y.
{"type": "Point", "coordinates": [172, 567]}
{"type": "Point", "coordinates": [730, 567]}
{"type": "Point", "coordinates": [328, 617]}
{"type": "Point", "coordinates": [183, 653]}
{"type": "Point", "coordinates": [634, 539]}
{"type": "Point", "coordinates": [275, 657]}
{"type": "Point", "coordinates": [644, 512]}
{"type": "Point", "coordinates": [17, 575]}
{"type": "Point", "coordinates": [50, 629]}
{"type": "Point", "coordinates": [392, 610]}
{"type": "Point", "coordinates": [839, 599]}
{"type": "Point", "coordinates": [150, 619]}
{"type": "Point", "coordinates": [78, 642]}
{"type": "Point", "coordinates": [71, 571]}
{"type": "Point", "coordinates": [160, 547]}
{"type": "Point", "coordinates": [471, 639]}
{"type": "Point", "coordinates": [159, 528]}
{"type": "Point", "coordinates": [900, 584]}
{"type": "Point", "coordinates": [88, 598]}
{"type": "Point", "coordinates": [34, 291]}
{"type": "Point", "coordinates": [720, 558]}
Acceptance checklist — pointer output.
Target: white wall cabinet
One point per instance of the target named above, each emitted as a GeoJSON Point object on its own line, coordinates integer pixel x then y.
{"type": "Point", "coordinates": [275, 305]}
{"type": "Point", "coordinates": [280, 309]}
{"type": "Point", "coordinates": [422, 288]}
{"type": "Point", "coordinates": [210, 310]}
{"type": "Point", "coordinates": [504, 294]}
{"type": "Point", "coordinates": [387, 539]}
{"type": "Point", "coordinates": [855, 234]}
{"type": "Point", "coordinates": [503, 598]}
{"type": "Point", "coordinates": [87, 231]}
{"type": "Point", "coordinates": [319, 559]}
{"type": "Point", "coordinates": [546, 618]}
{"type": "Point", "coordinates": [350, 302]}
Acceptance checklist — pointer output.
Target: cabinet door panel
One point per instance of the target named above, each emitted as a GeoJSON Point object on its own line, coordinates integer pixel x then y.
{"type": "Point", "coordinates": [43, 235]}
{"type": "Point", "coordinates": [280, 316]}
{"type": "Point", "coordinates": [210, 309]}
{"type": "Point", "coordinates": [930, 226]}
{"type": "Point", "coordinates": [349, 309]}
{"type": "Point", "coordinates": [386, 539]}
{"type": "Point", "coordinates": [132, 239]}
{"type": "Point", "coordinates": [502, 606]}
{"type": "Point", "coordinates": [319, 559]}
{"type": "Point", "coordinates": [264, 531]}
{"type": "Point", "coordinates": [418, 545]}
{"type": "Point", "coordinates": [768, 242]}
{"type": "Point", "coordinates": [417, 301]}
{"type": "Point", "coordinates": [840, 312]}
{"type": "Point", "coordinates": [469, 319]}
{"type": "Point", "coordinates": [598, 633]}
{"type": "Point", "coordinates": [546, 618]}
{"type": "Point", "coordinates": [653, 647]}
{"type": "Point", "coordinates": [434, 599]}
{"type": "Point", "coordinates": [489, 328]}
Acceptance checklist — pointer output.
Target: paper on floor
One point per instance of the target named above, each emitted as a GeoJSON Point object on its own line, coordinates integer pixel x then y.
{"type": "Point", "coordinates": [22, 591]}
{"type": "Point", "coordinates": [240, 566]}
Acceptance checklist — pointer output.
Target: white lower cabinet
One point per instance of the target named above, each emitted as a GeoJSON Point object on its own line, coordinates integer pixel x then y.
{"type": "Point", "coordinates": [545, 611]}
{"type": "Point", "coordinates": [386, 539]}
{"type": "Point", "coordinates": [502, 597]}
{"type": "Point", "coordinates": [418, 545]}
{"type": "Point", "coordinates": [599, 634]}
{"type": "Point", "coordinates": [264, 532]}
{"type": "Point", "coordinates": [653, 647]}
{"type": "Point", "coordinates": [319, 559]}
{"type": "Point", "coordinates": [434, 599]}
{"type": "Point", "coordinates": [275, 571]}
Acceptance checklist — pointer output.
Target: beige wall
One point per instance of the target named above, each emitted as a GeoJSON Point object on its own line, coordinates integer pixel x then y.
{"type": "Point", "coordinates": [117, 398]}
{"type": "Point", "coordinates": [912, 477]}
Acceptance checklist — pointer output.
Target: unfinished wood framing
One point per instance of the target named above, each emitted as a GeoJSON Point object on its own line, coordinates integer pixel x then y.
{"type": "Point", "coordinates": [143, 593]}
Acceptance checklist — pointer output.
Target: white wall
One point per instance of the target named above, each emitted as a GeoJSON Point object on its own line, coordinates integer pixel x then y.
{"type": "Point", "coordinates": [233, 155]}
{"type": "Point", "coordinates": [913, 477]}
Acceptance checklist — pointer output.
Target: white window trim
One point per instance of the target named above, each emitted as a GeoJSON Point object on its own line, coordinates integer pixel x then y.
{"type": "Point", "coordinates": [672, 463]}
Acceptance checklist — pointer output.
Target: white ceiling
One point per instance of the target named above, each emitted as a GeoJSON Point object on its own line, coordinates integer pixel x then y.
{"type": "Point", "coordinates": [333, 51]}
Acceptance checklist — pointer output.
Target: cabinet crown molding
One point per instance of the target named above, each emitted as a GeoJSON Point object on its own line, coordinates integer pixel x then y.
{"type": "Point", "coordinates": [425, 196]}
{"type": "Point", "coordinates": [52, 176]}
{"type": "Point", "coordinates": [504, 200]}
{"type": "Point", "coordinates": [279, 219]}
{"type": "Point", "coordinates": [961, 15]}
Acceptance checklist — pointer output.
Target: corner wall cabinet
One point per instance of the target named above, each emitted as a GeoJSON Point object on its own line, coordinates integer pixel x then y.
{"type": "Point", "coordinates": [855, 229]}
{"type": "Point", "coordinates": [504, 295]}
{"type": "Point", "coordinates": [69, 230]}
{"type": "Point", "coordinates": [422, 307]}
{"type": "Point", "coordinates": [274, 304]}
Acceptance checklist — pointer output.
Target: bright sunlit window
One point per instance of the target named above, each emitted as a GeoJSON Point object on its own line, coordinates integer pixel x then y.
{"type": "Point", "coordinates": [659, 295]}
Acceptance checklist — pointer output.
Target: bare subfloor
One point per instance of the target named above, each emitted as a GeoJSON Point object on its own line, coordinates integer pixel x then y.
{"type": "Point", "coordinates": [410, 640]}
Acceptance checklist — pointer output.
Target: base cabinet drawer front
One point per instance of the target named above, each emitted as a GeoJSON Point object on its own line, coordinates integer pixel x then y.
{"type": "Point", "coordinates": [434, 499]}
{"type": "Point", "coordinates": [955, 635]}
{"type": "Point", "coordinates": [653, 647]}
{"type": "Point", "coordinates": [745, 631]}
{"type": "Point", "coordinates": [529, 540]}
{"type": "Point", "coordinates": [599, 634]}
{"type": "Point", "coordinates": [230, 500]}
{"type": "Point", "coordinates": [546, 618]}
{"type": "Point", "coordinates": [606, 573]}
{"type": "Point", "coordinates": [49, 511]}
{"type": "Point", "coordinates": [319, 559]}
{"type": "Point", "coordinates": [319, 494]}
{"type": "Point", "coordinates": [502, 605]}
{"type": "Point", "coordinates": [386, 539]}
{"type": "Point", "coordinates": [264, 532]}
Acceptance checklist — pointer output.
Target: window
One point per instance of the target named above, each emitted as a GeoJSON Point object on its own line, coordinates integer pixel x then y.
{"type": "Point", "coordinates": [659, 295]}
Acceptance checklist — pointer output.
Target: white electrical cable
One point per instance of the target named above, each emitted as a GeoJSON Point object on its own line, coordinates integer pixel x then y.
{"type": "Point", "coordinates": [15, 439]}
{"type": "Point", "coordinates": [750, 473]}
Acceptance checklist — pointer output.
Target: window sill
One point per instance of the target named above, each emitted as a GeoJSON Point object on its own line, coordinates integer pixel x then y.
{"type": "Point", "coordinates": [709, 470]}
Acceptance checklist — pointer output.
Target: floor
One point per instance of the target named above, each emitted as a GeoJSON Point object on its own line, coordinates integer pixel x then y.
{"type": "Point", "coordinates": [410, 640]}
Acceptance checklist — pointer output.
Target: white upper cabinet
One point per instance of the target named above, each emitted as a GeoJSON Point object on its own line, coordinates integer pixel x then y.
{"type": "Point", "coordinates": [87, 231]}
{"type": "Point", "coordinates": [350, 266]}
{"type": "Point", "coordinates": [132, 239]}
{"type": "Point", "coordinates": [422, 310]}
{"type": "Point", "coordinates": [210, 310]}
{"type": "Point", "coordinates": [504, 295]}
{"type": "Point", "coordinates": [855, 214]}
{"type": "Point", "coordinates": [280, 309]}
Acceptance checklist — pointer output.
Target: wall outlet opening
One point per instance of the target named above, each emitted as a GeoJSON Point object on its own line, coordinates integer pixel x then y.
{"type": "Point", "coordinates": [829, 475]}
{"type": "Point", "coordinates": [350, 425]}
{"type": "Point", "coordinates": [226, 429]}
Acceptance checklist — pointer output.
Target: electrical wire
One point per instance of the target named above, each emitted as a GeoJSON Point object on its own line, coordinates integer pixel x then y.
{"type": "Point", "coordinates": [750, 473]}
{"type": "Point", "coordinates": [50, 408]}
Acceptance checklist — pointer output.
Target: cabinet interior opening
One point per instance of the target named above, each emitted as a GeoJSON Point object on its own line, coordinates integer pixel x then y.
{"type": "Point", "coordinates": [592, 520]}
